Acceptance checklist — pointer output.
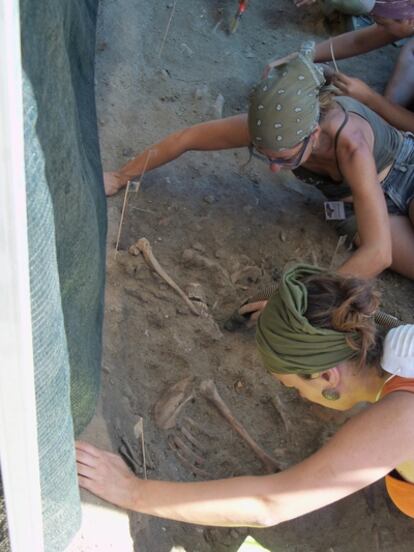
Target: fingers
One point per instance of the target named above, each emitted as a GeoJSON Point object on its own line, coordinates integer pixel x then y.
{"type": "Point", "coordinates": [91, 455]}
{"type": "Point", "coordinates": [341, 78]}
{"type": "Point", "coordinates": [343, 83]}
{"type": "Point", "coordinates": [85, 483]}
{"type": "Point", "coordinates": [87, 448]}
{"type": "Point", "coordinates": [252, 308]}
{"type": "Point", "coordinates": [255, 316]}
{"type": "Point", "coordinates": [85, 471]}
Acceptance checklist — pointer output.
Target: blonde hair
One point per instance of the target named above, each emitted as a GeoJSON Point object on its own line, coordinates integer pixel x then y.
{"type": "Point", "coordinates": [326, 99]}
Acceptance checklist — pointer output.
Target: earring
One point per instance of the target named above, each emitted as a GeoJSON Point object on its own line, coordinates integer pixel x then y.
{"type": "Point", "coordinates": [330, 394]}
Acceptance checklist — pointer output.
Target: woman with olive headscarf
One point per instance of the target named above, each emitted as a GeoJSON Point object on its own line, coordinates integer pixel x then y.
{"type": "Point", "coordinates": [347, 149]}
{"type": "Point", "coordinates": [317, 334]}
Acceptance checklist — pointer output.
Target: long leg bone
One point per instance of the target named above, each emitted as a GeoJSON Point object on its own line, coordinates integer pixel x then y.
{"type": "Point", "coordinates": [144, 246]}
{"type": "Point", "coordinates": [209, 391]}
{"type": "Point", "coordinates": [281, 410]}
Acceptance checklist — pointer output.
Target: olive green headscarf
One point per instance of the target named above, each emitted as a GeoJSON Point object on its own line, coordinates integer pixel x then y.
{"type": "Point", "coordinates": [284, 107]}
{"type": "Point", "coordinates": [286, 340]}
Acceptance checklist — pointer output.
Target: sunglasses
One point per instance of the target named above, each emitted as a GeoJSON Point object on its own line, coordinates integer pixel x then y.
{"type": "Point", "coordinates": [290, 163]}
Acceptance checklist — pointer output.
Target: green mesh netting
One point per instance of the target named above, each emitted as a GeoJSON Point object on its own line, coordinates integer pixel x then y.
{"type": "Point", "coordinates": [67, 231]}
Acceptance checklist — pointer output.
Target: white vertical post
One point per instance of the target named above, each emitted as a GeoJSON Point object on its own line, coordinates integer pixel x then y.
{"type": "Point", "coordinates": [18, 434]}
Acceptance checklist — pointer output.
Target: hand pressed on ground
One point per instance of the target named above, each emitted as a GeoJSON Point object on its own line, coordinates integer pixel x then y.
{"type": "Point", "coordinates": [105, 475]}
{"type": "Point", "coordinates": [113, 182]}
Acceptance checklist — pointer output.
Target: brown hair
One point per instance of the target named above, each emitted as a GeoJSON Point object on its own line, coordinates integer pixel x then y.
{"type": "Point", "coordinates": [347, 304]}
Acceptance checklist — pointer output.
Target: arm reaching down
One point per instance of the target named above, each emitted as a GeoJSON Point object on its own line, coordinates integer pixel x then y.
{"type": "Point", "coordinates": [395, 115]}
{"type": "Point", "coordinates": [343, 46]}
{"type": "Point", "coordinates": [364, 450]}
{"type": "Point", "coordinates": [354, 43]}
{"type": "Point", "coordinates": [231, 132]}
{"type": "Point", "coordinates": [355, 159]}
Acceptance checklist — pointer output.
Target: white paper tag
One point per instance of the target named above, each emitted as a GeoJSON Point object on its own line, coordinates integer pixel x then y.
{"type": "Point", "coordinates": [334, 210]}
{"type": "Point", "coordinates": [134, 185]}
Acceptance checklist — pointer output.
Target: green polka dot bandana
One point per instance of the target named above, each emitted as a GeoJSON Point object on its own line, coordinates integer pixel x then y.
{"type": "Point", "coordinates": [284, 107]}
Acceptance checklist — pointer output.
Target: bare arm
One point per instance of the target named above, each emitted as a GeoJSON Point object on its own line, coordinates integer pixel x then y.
{"type": "Point", "coordinates": [353, 43]}
{"type": "Point", "coordinates": [355, 159]}
{"type": "Point", "coordinates": [396, 115]}
{"type": "Point", "coordinates": [231, 132]}
{"type": "Point", "coordinates": [344, 46]}
{"type": "Point", "coordinates": [363, 451]}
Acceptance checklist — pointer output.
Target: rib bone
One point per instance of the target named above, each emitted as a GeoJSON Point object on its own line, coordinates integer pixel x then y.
{"type": "Point", "coordinates": [209, 391]}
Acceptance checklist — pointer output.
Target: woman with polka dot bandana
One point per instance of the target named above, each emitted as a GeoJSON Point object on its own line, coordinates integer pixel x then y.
{"type": "Point", "coordinates": [364, 166]}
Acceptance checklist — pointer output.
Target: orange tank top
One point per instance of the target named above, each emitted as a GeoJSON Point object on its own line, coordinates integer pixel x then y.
{"type": "Point", "coordinates": [401, 492]}
{"type": "Point", "coordinates": [398, 383]}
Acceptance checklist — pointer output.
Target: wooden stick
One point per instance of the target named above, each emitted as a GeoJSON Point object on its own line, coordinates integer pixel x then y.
{"type": "Point", "coordinates": [167, 29]}
{"type": "Point", "coordinates": [139, 434]}
{"type": "Point", "coordinates": [339, 243]}
{"type": "Point", "coordinates": [122, 215]}
{"type": "Point", "coordinates": [149, 153]}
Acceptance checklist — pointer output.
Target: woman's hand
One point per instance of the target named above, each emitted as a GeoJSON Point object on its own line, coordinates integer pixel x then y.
{"type": "Point", "coordinates": [350, 86]}
{"type": "Point", "coordinates": [113, 182]}
{"type": "Point", "coordinates": [254, 309]}
{"type": "Point", "coordinates": [105, 475]}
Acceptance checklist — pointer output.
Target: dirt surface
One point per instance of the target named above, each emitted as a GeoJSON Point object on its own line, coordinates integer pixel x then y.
{"type": "Point", "coordinates": [225, 231]}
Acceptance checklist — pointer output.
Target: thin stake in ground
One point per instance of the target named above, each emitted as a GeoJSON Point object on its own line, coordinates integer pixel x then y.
{"type": "Point", "coordinates": [125, 203]}
{"type": "Point", "coordinates": [167, 29]}
{"type": "Point", "coordinates": [139, 434]}
{"type": "Point", "coordinates": [341, 241]}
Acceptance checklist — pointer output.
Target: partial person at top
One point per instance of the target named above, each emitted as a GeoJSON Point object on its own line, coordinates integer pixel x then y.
{"type": "Point", "coordinates": [393, 20]}
{"type": "Point", "coordinates": [355, 158]}
{"type": "Point", "coordinates": [397, 115]}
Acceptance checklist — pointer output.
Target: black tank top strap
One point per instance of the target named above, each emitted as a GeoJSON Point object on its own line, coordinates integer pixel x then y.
{"type": "Point", "coordinates": [338, 132]}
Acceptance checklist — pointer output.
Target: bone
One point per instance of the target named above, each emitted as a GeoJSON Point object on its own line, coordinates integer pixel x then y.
{"type": "Point", "coordinates": [144, 246]}
{"type": "Point", "coordinates": [208, 390]}
{"type": "Point", "coordinates": [172, 401]}
{"type": "Point", "coordinates": [193, 440]}
{"type": "Point", "coordinates": [187, 450]}
{"type": "Point", "coordinates": [197, 427]}
{"type": "Point", "coordinates": [280, 408]}
{"type": "Point", "coordinates": [126, 451]}
{"type": "Point", "coordinates": [186, 462]}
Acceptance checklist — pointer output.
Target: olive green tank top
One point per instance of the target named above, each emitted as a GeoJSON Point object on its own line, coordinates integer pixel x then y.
{"type": "Point", "coordinates": [387, 142]}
